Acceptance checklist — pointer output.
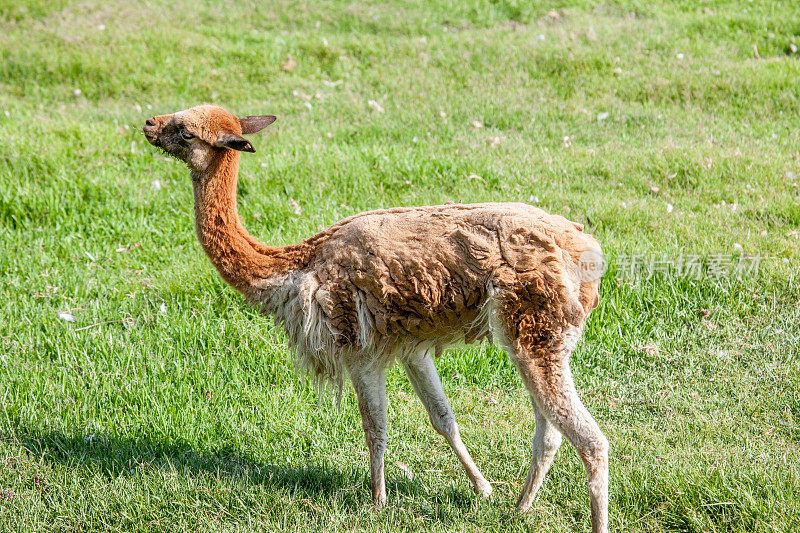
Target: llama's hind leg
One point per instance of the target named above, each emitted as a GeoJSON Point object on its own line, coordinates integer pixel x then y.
{"type": "Point", "coordinates": [546, 441]}
{"type": "Point", "coordinates": [546, 373]}
{"type": "Point", "coordinates": [423, 376]}
{"type": "Point", "coordinates": [369, 382]}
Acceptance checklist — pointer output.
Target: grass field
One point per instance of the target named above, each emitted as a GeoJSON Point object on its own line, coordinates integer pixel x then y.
{"type": "Point", "coordinates": [671, 131]}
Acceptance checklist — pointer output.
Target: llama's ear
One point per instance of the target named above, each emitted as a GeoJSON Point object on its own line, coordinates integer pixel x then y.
{"type": "Point", "coordinates": [234, 142]}
{"type": "Point", "coordinates": [256, 123]}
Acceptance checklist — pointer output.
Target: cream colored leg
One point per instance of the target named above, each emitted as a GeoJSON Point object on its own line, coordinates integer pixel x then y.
{"type": "Point", "coordinates": [423, 376]}
{"type": "Point", "coordinates": [546, 441]}
{"type": "Point", "coordinates": [370, 385]}
{"type": "Point", "coordinates": [549, 380]}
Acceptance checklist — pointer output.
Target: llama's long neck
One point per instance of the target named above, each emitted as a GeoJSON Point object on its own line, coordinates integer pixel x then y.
{"type": "Point", "coordinates": [241, 260]}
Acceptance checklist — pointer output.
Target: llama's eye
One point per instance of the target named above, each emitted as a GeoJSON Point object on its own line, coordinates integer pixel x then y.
{"type": "Point", "coordinates": [185, 135]}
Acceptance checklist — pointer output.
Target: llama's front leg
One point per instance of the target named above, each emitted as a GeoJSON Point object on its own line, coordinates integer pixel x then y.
{"type": "Point", "coordinates": [369, 382]}
{"type": "Point", "coordinates": [423, 376]}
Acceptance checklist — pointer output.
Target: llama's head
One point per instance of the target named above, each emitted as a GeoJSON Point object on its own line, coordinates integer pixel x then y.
{"type": "Point", "coordinates": [197, 135]}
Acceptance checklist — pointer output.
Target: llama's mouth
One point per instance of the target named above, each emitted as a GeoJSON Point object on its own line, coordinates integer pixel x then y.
{"type": "Point", "coordinates": [150, 133]}
{"type": "Point", "coordinates": [152, 139]}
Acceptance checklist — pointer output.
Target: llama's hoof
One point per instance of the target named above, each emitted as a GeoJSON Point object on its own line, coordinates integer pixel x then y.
{"type": "Point", "coordinates": [523, 506]}
{"type": "Point", "coordinates": [484, 490]}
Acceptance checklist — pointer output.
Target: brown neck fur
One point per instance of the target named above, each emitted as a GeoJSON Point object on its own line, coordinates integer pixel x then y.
{"type": "Point", "coordinates": [240, 259]}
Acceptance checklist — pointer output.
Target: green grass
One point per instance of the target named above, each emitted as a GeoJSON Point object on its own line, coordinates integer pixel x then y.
{"type": "Point", "coordinates": [170, 405]}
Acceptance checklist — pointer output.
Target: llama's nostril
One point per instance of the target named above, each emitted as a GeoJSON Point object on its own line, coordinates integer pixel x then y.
{"type": "Point", "coordinates": [150, 122]}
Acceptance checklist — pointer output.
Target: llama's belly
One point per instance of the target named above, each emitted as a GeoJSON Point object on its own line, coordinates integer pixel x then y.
{"type": "Point", "coordinates": [367, 311]}
{"type": "Point", "coordinates": [325, 324]}
{"type": "Point", "coordinates": [406, 278]}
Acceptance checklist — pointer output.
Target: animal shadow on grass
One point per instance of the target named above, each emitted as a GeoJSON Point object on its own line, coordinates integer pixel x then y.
{"type": "Point", "coordinates": [128, 456]}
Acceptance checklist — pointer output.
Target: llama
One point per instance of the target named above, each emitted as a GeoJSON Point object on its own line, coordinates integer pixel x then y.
{"type": "Point", "coordinates": [400, 285]}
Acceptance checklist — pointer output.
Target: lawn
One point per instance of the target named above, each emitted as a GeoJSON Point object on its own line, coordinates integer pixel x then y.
{"type": "Point", "coordinates": [669, 130]}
